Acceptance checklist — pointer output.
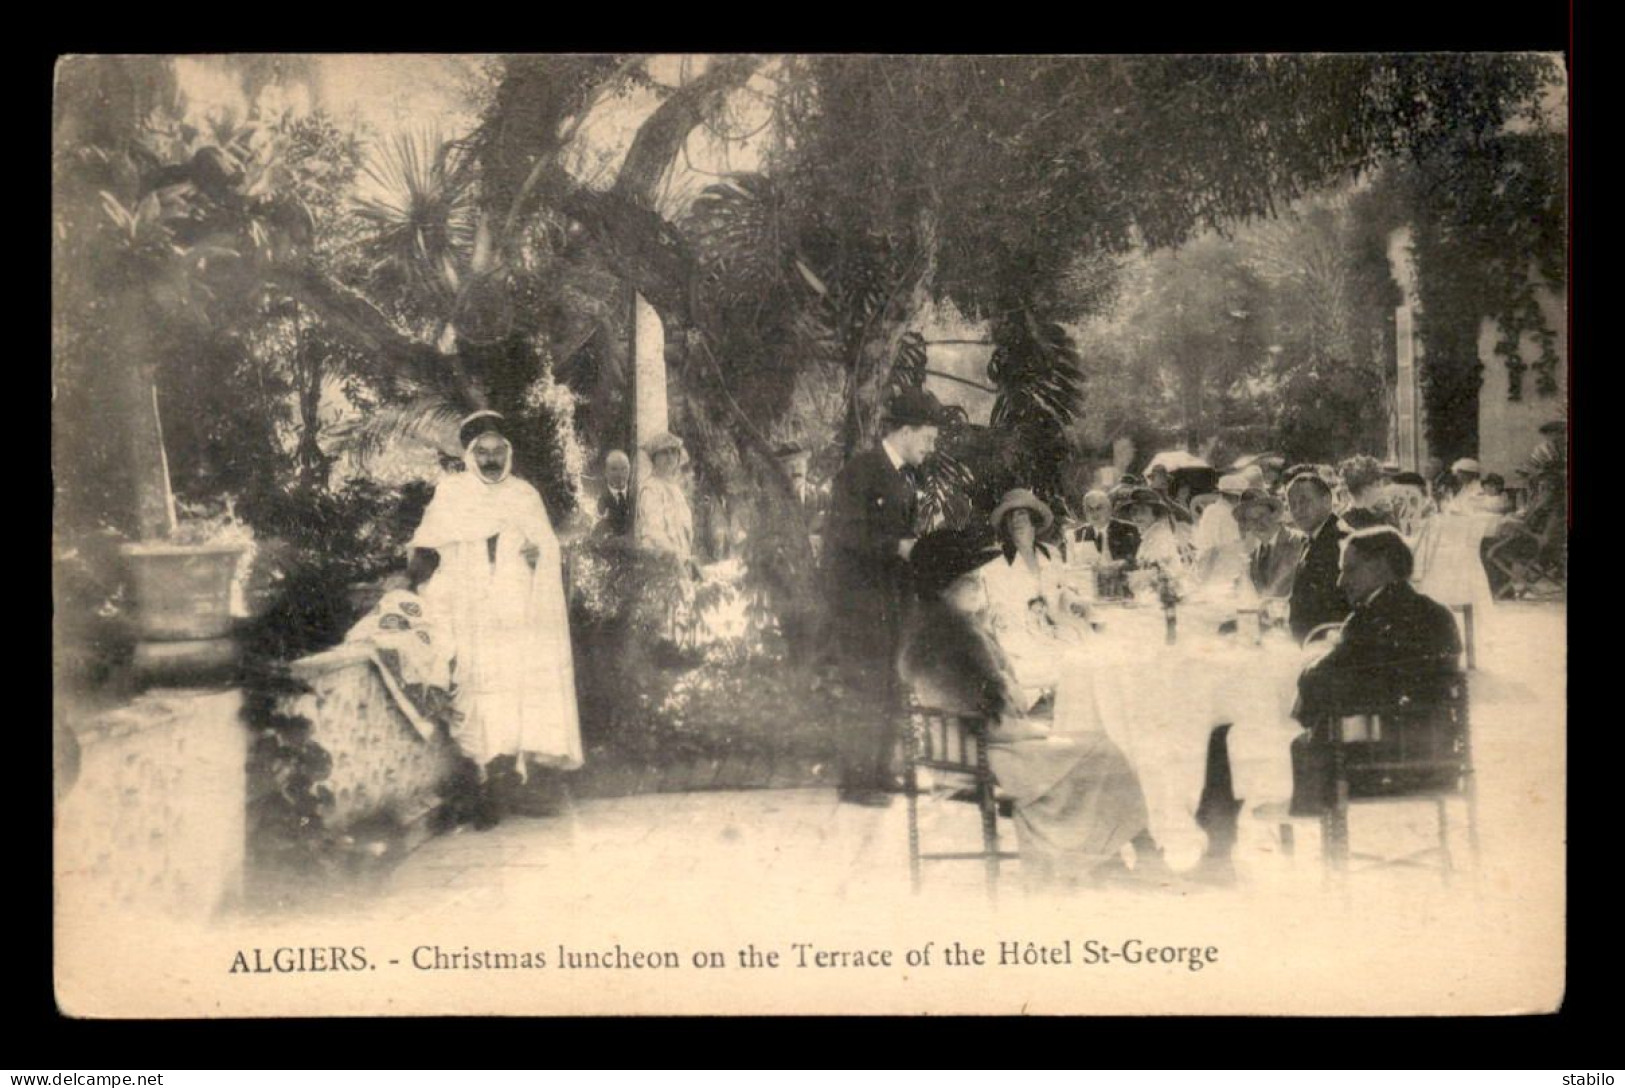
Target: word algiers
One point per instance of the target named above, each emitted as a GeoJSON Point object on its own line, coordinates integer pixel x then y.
{"type": "Point", "coordinates": [264, 961]}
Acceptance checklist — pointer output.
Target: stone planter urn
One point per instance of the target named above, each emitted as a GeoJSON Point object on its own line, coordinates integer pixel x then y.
{"type": "Point", "coordinates": [183, 619]}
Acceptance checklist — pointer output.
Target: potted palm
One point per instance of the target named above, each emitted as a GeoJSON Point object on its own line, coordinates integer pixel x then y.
{"type": "Point", "coordinates": [148, 237]}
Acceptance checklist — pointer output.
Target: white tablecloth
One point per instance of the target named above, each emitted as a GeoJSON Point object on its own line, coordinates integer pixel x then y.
{"type": "Point", "coordinates": [1160, 702]}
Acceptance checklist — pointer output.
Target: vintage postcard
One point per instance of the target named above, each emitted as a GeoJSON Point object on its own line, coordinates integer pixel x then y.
{"type": "Point", "coordinates": [790, 534]}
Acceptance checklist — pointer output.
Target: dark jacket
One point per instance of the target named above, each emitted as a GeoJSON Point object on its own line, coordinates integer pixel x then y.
{"type": "Point", "coordinates": [1398, 648]}
{"type": "Point", "coordinates": [952, 664]}
{"type": "Point", "coordinates": [615, 515]}
{"type": "Point", "coordinates": [872, 507]}
{"type": "Point", "coordinates": [1274, 565]}
{"type": "Point", "coordinates": [1315, 597]}
{"type": "Point", "coordinates": [1396, 659]}
{"type": "Point", "coordinates": [1122, 539]}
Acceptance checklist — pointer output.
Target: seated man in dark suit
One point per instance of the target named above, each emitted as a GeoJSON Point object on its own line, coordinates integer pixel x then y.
{"type": "Point", "coordinates": [1316, 596]}
{"type": "Point", "coordinates": [1398, 650]}
{"type": "Point", "coordinates": [1104, 542]}
{"type": "Point", "coordinates": [1274, 549]}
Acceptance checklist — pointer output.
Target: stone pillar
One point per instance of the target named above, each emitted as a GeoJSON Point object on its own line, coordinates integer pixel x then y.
{"type": "Point", "coordinates": [1410, 439]}
{"type": "Point", "coordinates": [648, 384]}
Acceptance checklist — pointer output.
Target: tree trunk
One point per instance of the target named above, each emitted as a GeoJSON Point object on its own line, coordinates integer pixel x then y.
{"type": "Point", "coordinates": [782, 539]}
{"type": "Point", "coordinates": [313, 463]}
{"type": "Point", "coordinates": [874, 352]}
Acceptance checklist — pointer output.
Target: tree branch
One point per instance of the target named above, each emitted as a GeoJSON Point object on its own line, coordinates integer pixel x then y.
{"type": "Point", "coordinates": [371, 330]}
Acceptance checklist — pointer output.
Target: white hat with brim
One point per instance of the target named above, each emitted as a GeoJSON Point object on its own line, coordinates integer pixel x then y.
{"type": "Point", "coordinates": [1234, 484]}
{"type": "Point", "coordinates": [1466, 464]}
{"type": "Point", "coordinates": [1022, 499]}
{"type": "Point", "coordinates": [662, 442]}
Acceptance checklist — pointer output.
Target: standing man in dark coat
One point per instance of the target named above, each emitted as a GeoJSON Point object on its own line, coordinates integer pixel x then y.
{"type": "Point", "coordinates": [814, 505]}
{"type": "Point", "coordinates": [871, 530]}
{"type": "Point", "coordinates": [1316, 597]}
{"type": "Point", "coordinates": [615, 504]}
{"type": "Point", "coordinates": [1398, 648]}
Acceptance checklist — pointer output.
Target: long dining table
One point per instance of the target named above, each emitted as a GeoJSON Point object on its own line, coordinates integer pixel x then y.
{"type": "Point", "coordinates": [1160, 701]}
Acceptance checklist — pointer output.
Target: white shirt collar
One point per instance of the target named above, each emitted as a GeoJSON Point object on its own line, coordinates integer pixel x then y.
{"type": "Point", "coordinates": [1375, 593]}
{"type": "Point", "coordinates": [892, 455]}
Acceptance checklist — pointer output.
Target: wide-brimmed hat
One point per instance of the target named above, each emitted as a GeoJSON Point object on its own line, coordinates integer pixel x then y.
{"type": "Point", "coordinates": [1255, 496]}
{"type": "Point", "coordinates": [1234, 484]}
{"type": "Point", "coordinates": [1022, 499]}
{"type": "Point", "coordinates": [942, 557]}
{"type": "Point", "coordinates": [1136, 496]}
{"type": "Point", "coordinates": [662, 442]}
{"type": "Point", "coordinates": [915, 408]}
{"type": "Point", "coordinates": [1466, 464]}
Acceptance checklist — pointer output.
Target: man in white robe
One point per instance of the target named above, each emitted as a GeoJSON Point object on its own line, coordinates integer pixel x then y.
{"type": "Point", "coordinates": [499, 588]}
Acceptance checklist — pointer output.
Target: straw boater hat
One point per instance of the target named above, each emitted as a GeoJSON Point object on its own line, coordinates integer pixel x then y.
{"type": "Point", "coordinates": [1022, 499]}
{"type": "Point", "coordinates": [1234, 484]}
{"type": "Point", "coordinates": [1466, 464]}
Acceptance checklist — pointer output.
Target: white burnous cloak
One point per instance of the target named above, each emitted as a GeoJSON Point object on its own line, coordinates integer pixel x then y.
{"type": "Point", "coordinates": [514, 675]}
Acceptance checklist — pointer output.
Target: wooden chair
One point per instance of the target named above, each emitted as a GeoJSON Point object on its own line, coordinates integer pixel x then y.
{"type": "Point", "coordinates": [953, 745]}
{"type": "Point", "coordinates": [1528, 559]}
{"type": "Point", "coordinates": [1469, 647]}
{"type": "Point", "coordinates": [1402, 754]}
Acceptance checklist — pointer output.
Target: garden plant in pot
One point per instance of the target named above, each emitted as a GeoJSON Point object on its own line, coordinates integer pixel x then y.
{"type": "Point", "coordinates": [153, 238]}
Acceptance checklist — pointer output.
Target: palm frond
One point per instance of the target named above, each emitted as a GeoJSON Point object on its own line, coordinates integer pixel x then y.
{"type": "Point", "coordinates": [945, 486]}
{"type": "Point", "coordinates": [419, 207]}
{"type": "Point", "coordinates": [424, 423]}
{"type": "Point", "coordinates": [1035, 367]}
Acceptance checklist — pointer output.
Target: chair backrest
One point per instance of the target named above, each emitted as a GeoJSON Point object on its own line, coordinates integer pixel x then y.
{"type": "Point", "coordinates": [1410, 749]}
{"type": "Point", "coordinates": [948, 739]}
{"type": "Point", "coordinates": [1325, 631]}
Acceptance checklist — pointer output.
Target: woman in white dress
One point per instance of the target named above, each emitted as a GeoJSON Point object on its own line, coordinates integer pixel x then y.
{"type": "Point", "coordinates": [1034, 616]}
{"type": "Point", "coordinates": [665, 526]}
{"type": "Point", "coordinates": [1449, 561]}
{"type": "Point", "coordinates": [665, 523]}
{"type": "Point", "coordinates": [498, 587]}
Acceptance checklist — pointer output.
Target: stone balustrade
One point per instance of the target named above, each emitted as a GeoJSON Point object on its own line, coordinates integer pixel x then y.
{"type": "Point", "coordinates": [154, 822]}
{"type": "Point", "coordinates": [381, 763]}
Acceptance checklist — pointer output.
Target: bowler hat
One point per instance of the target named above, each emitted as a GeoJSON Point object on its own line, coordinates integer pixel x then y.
{"type": "Point", "coordinates": [942, 557]}
{"type": "Point", "coordinates": [915, 408]}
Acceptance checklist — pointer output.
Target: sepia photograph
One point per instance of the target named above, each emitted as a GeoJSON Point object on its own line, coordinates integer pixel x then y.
{"type": "Point", "coordinates": [808, 534]}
